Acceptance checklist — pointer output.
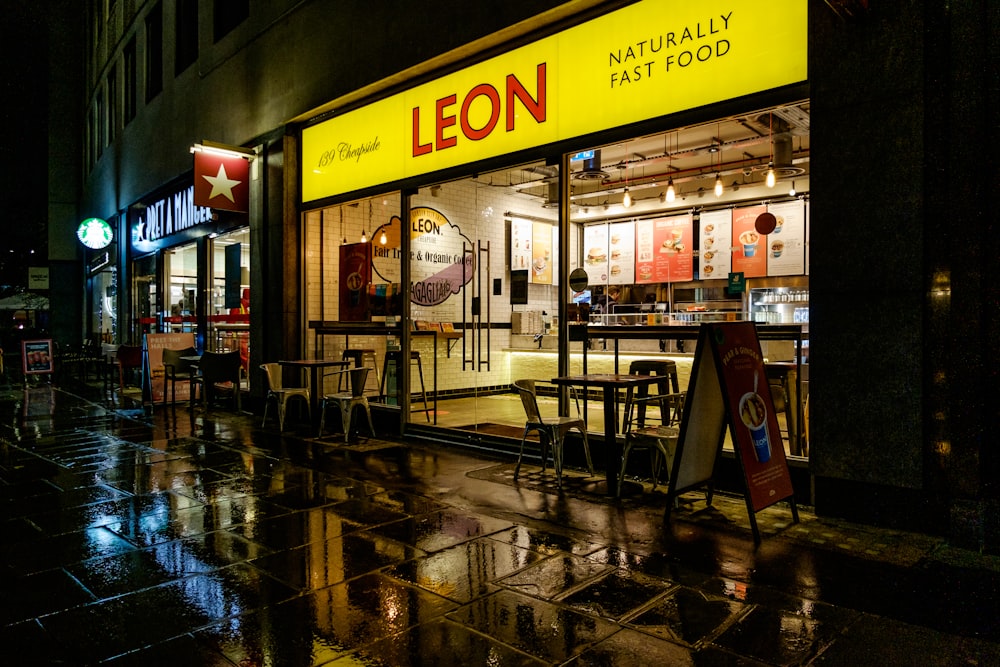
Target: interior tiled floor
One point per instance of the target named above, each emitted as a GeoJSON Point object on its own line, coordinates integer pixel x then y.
{"type": "Point", "coordinates": [203, 539]}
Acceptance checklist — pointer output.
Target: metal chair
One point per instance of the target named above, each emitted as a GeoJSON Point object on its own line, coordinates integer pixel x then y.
{"type": "Point", "coordinates": [552, 430]}
{"type": "Point", "coordinates": [217, 371]}
{"type": "Point", "coordinates": [281, 394]}
{"type": "Point", "coordinates": [348, 401]}
{"type": "Point", "coordinates": [659, 439]}
{"type": "Point", "coordinates": [175, 368]}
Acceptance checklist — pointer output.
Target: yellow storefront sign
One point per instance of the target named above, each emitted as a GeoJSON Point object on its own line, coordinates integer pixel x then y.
{"type": "Point", "coordinates": [646, 60]}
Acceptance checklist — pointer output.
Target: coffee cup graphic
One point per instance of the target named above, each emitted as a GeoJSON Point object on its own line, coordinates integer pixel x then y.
{"type": "Point", "coordinates": [779, 222]}
{"type": "Point", "coordinates": [753, 414]}
{"type": "Point", "coordinates": [749, 240]}
{"type": "Point", "coordinates": [776, 248]}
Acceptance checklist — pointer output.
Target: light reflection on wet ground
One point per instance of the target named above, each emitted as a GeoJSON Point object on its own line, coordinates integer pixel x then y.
{"type": "Point", "coordinates": [208, 541]}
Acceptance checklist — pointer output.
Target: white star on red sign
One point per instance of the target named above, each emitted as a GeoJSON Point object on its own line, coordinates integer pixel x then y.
{"type": "Point", "coordinates": [222, 184]}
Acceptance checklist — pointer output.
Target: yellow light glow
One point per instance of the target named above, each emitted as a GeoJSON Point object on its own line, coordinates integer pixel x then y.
{"type": "Point", "coordinates": [476, 113]}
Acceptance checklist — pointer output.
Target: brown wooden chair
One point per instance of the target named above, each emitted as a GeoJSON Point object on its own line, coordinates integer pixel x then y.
{"type": "Point", "coordinates": [128, 361]}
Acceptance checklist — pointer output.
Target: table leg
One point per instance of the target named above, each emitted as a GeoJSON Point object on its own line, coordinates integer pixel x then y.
{"type": "Point", "coordinates": [613, 450]}
{"type": "Point", "coordinates": [313, 395]}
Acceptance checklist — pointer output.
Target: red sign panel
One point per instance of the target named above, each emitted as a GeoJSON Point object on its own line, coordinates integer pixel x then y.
{"type": "Point", "coordinates": [753, 422]}
{"type": "Point", "coordinates": [664, 250]}
{"type": "Point", "coordinates": [221, 181]}
{"type": "Point", "coordinates": [355, 274]}
{"type": "Point", "coordinates": [749, 245]}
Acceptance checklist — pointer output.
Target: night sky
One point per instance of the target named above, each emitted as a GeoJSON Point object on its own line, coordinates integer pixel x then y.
{"type": "Point", "coordinates": [23, 149]}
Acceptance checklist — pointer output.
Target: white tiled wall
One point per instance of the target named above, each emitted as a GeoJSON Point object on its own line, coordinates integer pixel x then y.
{"type": "Point", "coordinates": [478, 209]}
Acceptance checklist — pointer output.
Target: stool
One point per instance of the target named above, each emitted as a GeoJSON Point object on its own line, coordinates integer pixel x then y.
{"type": "Point", "coordinates": [394, 356]}
{"type": "Point", "coordinates": [668, 370]}
{"type": "Point", "coordinates": [360, 357]}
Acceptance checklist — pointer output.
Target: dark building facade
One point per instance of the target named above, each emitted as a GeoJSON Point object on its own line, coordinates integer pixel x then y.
{"type": "Point", "coordinates": [894, 121]}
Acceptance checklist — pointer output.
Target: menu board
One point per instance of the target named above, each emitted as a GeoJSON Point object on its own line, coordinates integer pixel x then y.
{"type": "Point", "coordinates": [664, 249]}
{"type": "Point", "coordinates": [749, 246]}
{"type": "Point", "coordinates": [520, 244]}
{"type": "Point", "coordinates": [541, 253]}
{"type": "Point", "coordinates": [621, 254]}
{"type": "Point", "coordinates": [786, 245]}
{"type": "Point", "coordinates": [715, 257]}
{"type": "Point", "coordinates": [595, 259]}
{"type": "Point", "coordinates": [37, 357]}
{"type": "Point", "coordinates": [155, 345]}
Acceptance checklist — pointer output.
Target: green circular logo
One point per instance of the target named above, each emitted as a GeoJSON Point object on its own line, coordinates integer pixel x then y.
{"type": "Point", "coordinates": [95, 233]}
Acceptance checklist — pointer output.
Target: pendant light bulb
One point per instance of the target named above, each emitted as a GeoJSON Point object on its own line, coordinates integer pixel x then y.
{"type": "Point", "coordinates": [770, 175]}
{"type": "Point", "coordinates": [671, 193]}
{"type": "Point", "coordinates": [364, 237]}
{"type": "Point", "coordinates": [627, 199]}
{"type": "Point", "coordinates": [383, 239]}
{"type": "Point", "coordinates": [791, 192]}
{"type": "Point", "coordinates": [718, 185]}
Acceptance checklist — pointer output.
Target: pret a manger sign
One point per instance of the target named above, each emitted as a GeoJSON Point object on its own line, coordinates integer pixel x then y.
{"type": "Point", "coordinates": [646, 60]}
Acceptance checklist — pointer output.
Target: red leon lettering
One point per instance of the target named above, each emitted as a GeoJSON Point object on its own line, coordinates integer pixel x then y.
{"type": "Point", "coordinates": [444, 122]}
{"type": "Point", "coordinates": [419, 148]}
{"type": "Point", "coordinates": [536, 107]}
{"type": "Point", "coordinates": [484, 90]}
{"type": "Point", "coordinates": [515, 93]}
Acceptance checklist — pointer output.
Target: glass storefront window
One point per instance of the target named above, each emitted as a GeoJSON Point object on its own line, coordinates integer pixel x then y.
{"type": "Point", "coordinates": [103, 308]}
{"type": "Point", "coordinates": [657, 223]}
{"type": "Point", "coordinates": [229, 311]}
{"type": "Point", "coordinates": [342, 290]}
{"type": "Point", "coordinates": [180, 266]}
{"type": "Point", "coordinates": [144, 296]}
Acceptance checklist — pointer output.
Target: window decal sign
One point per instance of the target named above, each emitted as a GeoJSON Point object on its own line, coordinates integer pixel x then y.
{"type": "Point", "coordinates": [439, 265]}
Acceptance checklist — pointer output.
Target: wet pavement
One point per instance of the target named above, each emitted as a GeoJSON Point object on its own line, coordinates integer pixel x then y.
{"type": "Point", "coordinates": [204, 539]}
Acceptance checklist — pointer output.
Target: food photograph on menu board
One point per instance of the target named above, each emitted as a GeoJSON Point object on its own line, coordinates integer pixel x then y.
{"type": "Point", "coordinates": [541, 253]}
{"type": "Point", "coordinates": [715, 255]}
{"type": "Point", "coordinates": [669, 247]}
{"type": "Point", "coordinates": [749, 245]}
{"type": "Point", "coordinates": [787, 243]}
{"type": "Point", "coordinates": [520, 244]}
{"type": "Point", "coordinates": [621, 253]}
{"type": "Point", "coordinates": [595, 259]}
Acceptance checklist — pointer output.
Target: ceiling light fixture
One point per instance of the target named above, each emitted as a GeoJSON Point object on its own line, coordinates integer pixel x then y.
{"type": "Point", "coordinates": [770, 165]}
{"type": "Point", "coordinates": [718, 175]}
{"type": "Point", "coordinates": [383, 239]}
{"type": "Point", "coordinates": [791, 192]}
{"type": "Point", "coordinates": [364, 237]}
{"type": "Point", "coordinates": [627, 198]}
{"type": "Point", "coordinates": [671, 193]}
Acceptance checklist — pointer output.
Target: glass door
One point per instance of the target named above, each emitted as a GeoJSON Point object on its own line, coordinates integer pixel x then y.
{"type": "Point", "coordinates": [144, 296]}
{"type": "Point", "coordinates": [229, 309]}
{"type": "Point", "coordinates": [485, 295]}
